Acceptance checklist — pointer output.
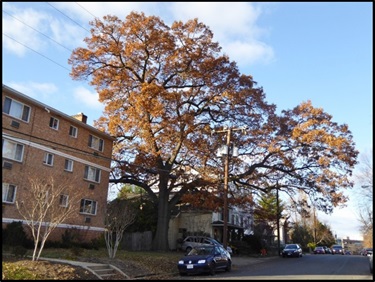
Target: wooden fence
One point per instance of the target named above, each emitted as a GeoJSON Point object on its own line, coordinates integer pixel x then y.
{"type": "Point", "coordinates": [137, 241]}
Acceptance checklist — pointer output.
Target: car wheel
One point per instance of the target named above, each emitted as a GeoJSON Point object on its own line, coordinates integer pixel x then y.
{"type": "Point", "coordinates": [229, 266]}
{"type": "Point", "coordinates": [212, 268]}
{"type": "Point", "coordinates": [188, 249]}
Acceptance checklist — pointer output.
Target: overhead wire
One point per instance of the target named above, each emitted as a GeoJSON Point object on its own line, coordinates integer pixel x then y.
{"type": "Point", "coordinates": [37, 52]}
{"type": "Point", "coordinates": [70, 50]}
{"type": "Point", "coordinates": [44, 56]}
{"type": "Point", "coordinates": [68, 17]}
{"type": "Point", "coordinates": [72, 149]}
{"type": "Point", "coordinates": [83, 8]}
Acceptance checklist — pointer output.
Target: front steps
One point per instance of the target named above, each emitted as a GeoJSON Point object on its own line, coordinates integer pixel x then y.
{"type": "Point", "coordinates": [106, 271]}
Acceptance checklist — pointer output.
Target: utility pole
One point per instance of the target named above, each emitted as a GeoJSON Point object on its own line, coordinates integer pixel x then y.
{"type": "Point", "coordinates": [314, 225]}
{"type": "Point", "coordinates": [226, 179]}
{"type": "Point", "coordinates": [278, 220]}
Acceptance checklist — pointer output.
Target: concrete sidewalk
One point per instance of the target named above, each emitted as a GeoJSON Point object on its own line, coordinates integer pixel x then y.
{"type": "Point", "coordinates": [72, 262]}
{"type": "Point", "coordinates": [102, 271]}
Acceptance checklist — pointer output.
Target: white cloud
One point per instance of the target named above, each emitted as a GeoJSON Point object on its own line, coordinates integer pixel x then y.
{"type": "Point", "coordinates": [38, 91]}
{"type": "Point", "coordinates": [249, 53]}
{"type": "Point", "coordinates": [344, 221]}
{"type": "Point", "coordinates": [234, 24]}
{"type": "Point", "coordinates": [30, 29]}
{"type": "Point", "coordinates": [18, 34]}
{"type": "Point", "coordinates": [225, 19]}
{"type": "Point", "coordinates": [68, 36]}
{"type": "Point", "coordinates": [91, 99]}
{"type": "Point", "coordinates": [235, 28]}
{"type": "Point", "coordinates": [86, 11]}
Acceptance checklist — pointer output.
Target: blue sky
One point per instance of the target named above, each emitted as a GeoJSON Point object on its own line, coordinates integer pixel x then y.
{"type": "Point", "coordinates": [318, 51]}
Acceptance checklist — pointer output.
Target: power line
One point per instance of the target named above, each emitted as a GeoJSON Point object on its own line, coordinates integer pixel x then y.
{"type": "Point", "coordinates": [68, 17]}
{"type": "Point", "coordinates": [45, 36]}
{"type": "Point", "coordinates": [85, 9]}
{"type": "Point", "coordinates": [36, 52]}
{"type": "Point", "coordinates": [38, 31]}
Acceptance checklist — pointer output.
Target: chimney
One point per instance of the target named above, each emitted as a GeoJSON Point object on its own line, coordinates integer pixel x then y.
{"type": "Point", "coordinates": [81, 117]}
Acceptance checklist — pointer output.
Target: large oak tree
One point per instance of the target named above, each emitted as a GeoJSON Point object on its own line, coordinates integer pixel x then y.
{"type": "Point", "coordinates": [165, 88]}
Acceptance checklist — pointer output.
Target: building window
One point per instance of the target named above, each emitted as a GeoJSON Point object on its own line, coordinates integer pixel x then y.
{"type": "Point", "coordinates": [96, 143]}
{"type": "Point", "coordinates": [16, 109]}
{"type": "Point", "coordinates": [68, 165]}
{"type": "Point", "coordinates": [12, 150]}
{"type": "Point", "coordinates": [73, 131]}
{"type": "Point", "coordinates": [92, 174]}
{"type": "Point", "coordinates": [64, 200]}
{"type": "Point", "coordinates": [9, 193]}
{"type": "Point", "coordinates": [54, 123]}
{"type": "Point", "coordinates": [41, 197]}
{"type": "Point", "coordinates": [88, 206]}
{"type": "Point", "coordinates": [48, 159]}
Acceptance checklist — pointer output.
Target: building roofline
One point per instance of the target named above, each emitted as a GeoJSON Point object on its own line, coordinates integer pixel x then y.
{"type": "Point", "coordinates": [68, 117]}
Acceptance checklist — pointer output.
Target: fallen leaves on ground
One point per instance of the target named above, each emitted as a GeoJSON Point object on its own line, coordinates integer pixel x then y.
{"type": "Point", "coordinates": [26, 269]}
{"type": "Point", "coordinates": [145, 266]}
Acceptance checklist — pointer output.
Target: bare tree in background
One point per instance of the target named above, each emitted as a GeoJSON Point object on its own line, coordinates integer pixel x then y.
{"type": "Point", "coordinates": [50, 203]}
{"type": "Point", "coordinates": [120, 214]}
{"type": "Point", "coordinates": [365, 200]}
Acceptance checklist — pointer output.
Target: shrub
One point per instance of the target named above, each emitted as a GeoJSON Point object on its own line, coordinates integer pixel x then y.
{"type": "Point", "coordinates": [14, 235]}
{"type": "Point", "coordinates": [69, 237]}
{"type": "Point", "coordinates": [19, 251]}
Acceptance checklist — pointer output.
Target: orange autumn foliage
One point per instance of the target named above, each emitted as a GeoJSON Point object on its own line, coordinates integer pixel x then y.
{"type": "Point", "coordinates": [165, 88]}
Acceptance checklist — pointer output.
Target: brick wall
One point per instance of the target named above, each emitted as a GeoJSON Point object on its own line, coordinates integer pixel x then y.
{"type": "Point", "coordinates": [41, 136]}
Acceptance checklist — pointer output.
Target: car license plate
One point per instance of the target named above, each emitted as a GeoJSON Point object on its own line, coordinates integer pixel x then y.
{"type": "Point", "coordinates": [189, 266]}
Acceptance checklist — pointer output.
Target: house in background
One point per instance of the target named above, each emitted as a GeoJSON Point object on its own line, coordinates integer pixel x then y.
{"type": "Point", "coordinates": [41, 140]}
{"type": "Point", "coordinates": [190, 221]}
{"type": "Point", "coordinates": [354, 246]}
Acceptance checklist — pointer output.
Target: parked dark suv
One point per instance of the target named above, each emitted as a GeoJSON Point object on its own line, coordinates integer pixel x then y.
{"type": "Point", "coordinates": [337, 249]}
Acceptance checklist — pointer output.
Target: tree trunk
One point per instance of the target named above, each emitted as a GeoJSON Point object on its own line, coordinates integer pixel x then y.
{"type": "Point", "coordinates": [160, 242]}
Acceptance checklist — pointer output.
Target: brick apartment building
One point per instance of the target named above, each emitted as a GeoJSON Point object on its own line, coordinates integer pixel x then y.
{"type": "Point", "coordinates": [42, 141]}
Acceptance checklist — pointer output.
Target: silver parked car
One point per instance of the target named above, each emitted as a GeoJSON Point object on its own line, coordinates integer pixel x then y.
{"type": "Point", "coordinates": [196, 241]}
